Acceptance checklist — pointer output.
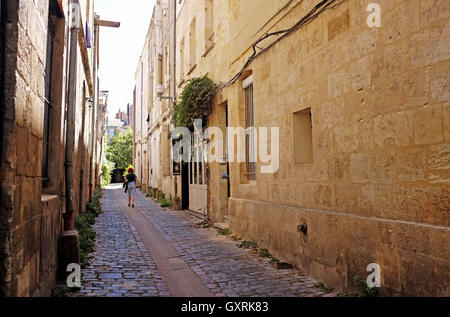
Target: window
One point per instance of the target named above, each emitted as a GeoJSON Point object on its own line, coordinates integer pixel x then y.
{"type": "Point", "coordinates": [303, 145]}
{"type": "Point", "coordinates": [142, 97]}
{"type": "Point", "coordinates": [167, 66]}
{"type": "Point", "coordinates": [250, 155]}
{"type": "Point", "coordinates": [48, 97]}
{"type": "Point", "coordinates": [160, 69]}
{"type": "Point", "coordinates": [209, 24]}
{"type": "Point", "coordinates": [181, 61]}
{"type": "Point", "coordinates": [192, 46]}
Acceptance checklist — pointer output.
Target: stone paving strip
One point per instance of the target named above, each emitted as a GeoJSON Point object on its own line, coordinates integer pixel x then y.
{"type": "Point", "coordinates": [121, 265]}
{"type": "Point", "coordinates": [226, 269]}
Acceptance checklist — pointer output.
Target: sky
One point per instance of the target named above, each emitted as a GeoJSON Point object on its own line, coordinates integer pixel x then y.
{"type": "Point", "coordinates": [121, 48]}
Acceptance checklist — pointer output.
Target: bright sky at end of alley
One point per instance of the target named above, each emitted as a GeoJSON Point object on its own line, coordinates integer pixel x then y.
{"type": "Point", "coordinates": [121, 48]}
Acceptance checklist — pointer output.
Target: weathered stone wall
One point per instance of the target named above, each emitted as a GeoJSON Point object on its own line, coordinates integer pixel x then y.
{"type": "Point", "coordinates": [377, 191]}
{"type": "Point", "coordinates": [151, 160]}
{"type": "Point", "coordinates": [31, 216]}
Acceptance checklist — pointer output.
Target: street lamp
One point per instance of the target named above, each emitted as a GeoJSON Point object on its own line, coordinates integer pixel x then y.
{"type": "Point", "coordinates": [160, 91]}
{"type": "Point", "coordinates": [90, 102]}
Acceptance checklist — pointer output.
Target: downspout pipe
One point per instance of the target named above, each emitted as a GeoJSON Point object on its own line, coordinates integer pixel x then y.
{"type": "Point", "coordinates": [93, 118]}
{"type": "Point", "coordinates": [70, 115]}
{"type": "Point", "coordinates": [3, 11]}
{"type": "Point", "coordinates": [174, 55]}
{"type": "Point", "coordinates": [174, 76]}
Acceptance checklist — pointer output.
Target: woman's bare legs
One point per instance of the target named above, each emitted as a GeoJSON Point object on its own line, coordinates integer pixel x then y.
{"type": "Point", "coordinates": [129, 200]}
{"type": "Point", "coordinates": [134, 198]}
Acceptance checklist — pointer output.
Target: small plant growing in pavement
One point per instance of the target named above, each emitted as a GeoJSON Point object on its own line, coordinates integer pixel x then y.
{"type": "Point", "coordinates": [248, 245]}
{"type": "Point", "coordinates": [323, 287]}
{"type": "Point", "coordinates": [363, 289]}
{"type": "Point", "coordinates": [164, 203]}
{"type": "Point", "coordinates": [204, 224]}
{"type": "Point", "coordinates": [264, 253]}
{"type": "Point", "coordinates": [225, 232]}
{"type": "Point", "coordinates": [257, 250]}
{"type": "Point", "coordinates": [161, 197]}
{"type": "Point", "coordinates": [274, 260]}
{"type": "Point", "coordinates": [84, 225]}
{"type": "Point", "coordinates": [61, 290]}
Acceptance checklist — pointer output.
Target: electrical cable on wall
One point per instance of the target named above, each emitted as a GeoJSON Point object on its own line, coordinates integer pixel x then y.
{"type": "Point", "coordinates": [312, 15]}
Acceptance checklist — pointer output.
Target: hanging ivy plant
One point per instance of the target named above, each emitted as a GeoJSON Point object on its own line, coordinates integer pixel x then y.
{"type": "Point", "coordinates": [195, 102]}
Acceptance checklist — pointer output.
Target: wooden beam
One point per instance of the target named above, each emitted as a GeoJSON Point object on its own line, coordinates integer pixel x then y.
{"type": "Point", "coordinates": [110, 24]}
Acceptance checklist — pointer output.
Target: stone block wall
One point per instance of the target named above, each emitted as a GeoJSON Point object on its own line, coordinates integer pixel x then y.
{"type": "Point", "coordinates": [377, 190]}
{"type": "Point", "coordinates": [31, 215]}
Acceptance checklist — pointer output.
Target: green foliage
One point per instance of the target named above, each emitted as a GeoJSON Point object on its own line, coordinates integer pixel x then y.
{"type": "Point", "coordinates": [120, 150]}
{"type": "Point", "coordinates": [125, 174]}
{"type": "Point", "coordinates": [161, 197]}
{"type": "Point", "coordinates": [256, 249]}
{"type": "Point", "coordinates": [107, 169]}
{"type": "Point", "coordinates": [165, 204]}
{"type": "Point", "coordinates": [204, 224]}
{"type": "Point", "coordinates": [62, 290]}
{"type": "Point", "coordinates": [225, 232]}
{"type": "Point", "coordinates": [163, 201]}
{"type": "Point", "coordinates": [195, 102]}
{"type": "Point", "coordinates": [248, 245]}
{"type": "Point", "coordinates": [323, 287]}
{"type": "Point", "coordinates": [264, 253]}
{"type": "Point", "coordinates": [363, 289]}
{"type": "Point", "coordinates": [150, 193]}
{"type": "Point", "coordinates": [84, 224]}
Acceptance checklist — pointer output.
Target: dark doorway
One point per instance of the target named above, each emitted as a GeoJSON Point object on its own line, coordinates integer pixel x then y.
{"type": "Point", "coordinates": [226, 151]}
{"type": "Point", "coordinates": [184, 186]}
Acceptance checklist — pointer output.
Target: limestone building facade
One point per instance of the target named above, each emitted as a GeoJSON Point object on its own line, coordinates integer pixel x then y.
{"type": "Point", "coordinates": [48, 131]}
{"type": "Point", "coordinates": [152, 121]}
{"type": "Point", "coordinates": [363, 119]}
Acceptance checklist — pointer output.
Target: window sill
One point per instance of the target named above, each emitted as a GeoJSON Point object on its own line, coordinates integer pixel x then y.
{"type": "Point", "coordinates": [248, 188]}
{"type": "Point", "coordinates": [47, 198]}
{"type": "Point", "coordinates": [303, 164]}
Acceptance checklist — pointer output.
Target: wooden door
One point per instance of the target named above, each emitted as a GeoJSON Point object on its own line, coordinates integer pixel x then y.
{"type": "Point", "coordinates": [198, 184]}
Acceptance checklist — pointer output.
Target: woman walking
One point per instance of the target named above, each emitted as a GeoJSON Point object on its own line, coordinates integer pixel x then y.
{"type": "Point", "coordinates": [131, 182]}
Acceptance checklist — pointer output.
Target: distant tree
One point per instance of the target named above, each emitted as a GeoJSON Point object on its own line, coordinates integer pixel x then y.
{"type": "Point", "coordinates": [120, 150]}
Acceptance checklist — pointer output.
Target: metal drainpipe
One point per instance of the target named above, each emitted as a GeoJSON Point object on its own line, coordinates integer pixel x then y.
{"type": "Point", "coordinates": [70, 120]}
{"type": "Point", "coordinates": [3, 17]}
{"type": "Point", "coordinates": [174, 75]}
{"type": "Point", "coordinates": [94, 107]}
{"type": "Point", "coordinates": [174, 79]}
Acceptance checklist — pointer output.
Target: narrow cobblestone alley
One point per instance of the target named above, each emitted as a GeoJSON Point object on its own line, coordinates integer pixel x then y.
{"type": "Point", "coordinates": [123, 266]}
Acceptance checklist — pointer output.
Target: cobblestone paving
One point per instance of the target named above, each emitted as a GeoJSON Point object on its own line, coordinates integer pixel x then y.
{"type": "Point", "coordinates": [121, 265]}
{"type": "Point", "coordinates": [226, 269]}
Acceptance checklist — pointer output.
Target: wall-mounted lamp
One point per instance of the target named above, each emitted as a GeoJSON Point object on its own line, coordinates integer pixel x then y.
{"type": "Point", "coordinates": [90, 102]}
{"type": "Point", "coordinates": [160, 91]}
